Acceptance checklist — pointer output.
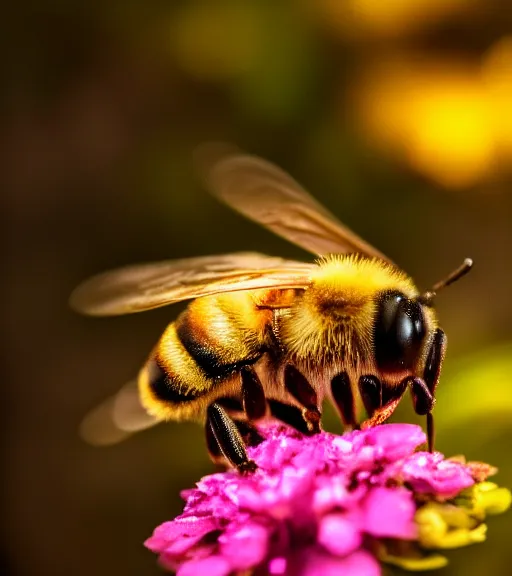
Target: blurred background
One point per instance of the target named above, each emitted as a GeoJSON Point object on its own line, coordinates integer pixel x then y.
{"type": "Point", "coordinates": [397, 115]}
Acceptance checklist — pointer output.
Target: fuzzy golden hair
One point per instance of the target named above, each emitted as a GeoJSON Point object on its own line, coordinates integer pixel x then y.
{"type": "Point", "coordinates": [335, 316]}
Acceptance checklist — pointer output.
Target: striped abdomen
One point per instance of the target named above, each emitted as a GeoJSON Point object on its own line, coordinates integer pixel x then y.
{"type": "Point", "coordinates": [199, 355]}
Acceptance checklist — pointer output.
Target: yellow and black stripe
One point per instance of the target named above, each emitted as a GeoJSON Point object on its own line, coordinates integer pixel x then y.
{"type": "Point", "coordinates": [198, 357]}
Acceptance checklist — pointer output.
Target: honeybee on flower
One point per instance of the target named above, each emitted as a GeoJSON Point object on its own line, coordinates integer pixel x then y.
{"type": "Point", "coordinates": [265, 337]}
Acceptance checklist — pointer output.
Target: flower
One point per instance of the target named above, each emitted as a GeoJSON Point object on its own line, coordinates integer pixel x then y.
{"type": "Point", "coordinates": [327, 504]}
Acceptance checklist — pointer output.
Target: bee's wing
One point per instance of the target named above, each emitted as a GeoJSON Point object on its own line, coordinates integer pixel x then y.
{"type": "Point", "coordinates": [146, 286]}
{"type": "Point", "coordinates": [263, 192]}
{"type": "Point", "coordinates": [116, 418]}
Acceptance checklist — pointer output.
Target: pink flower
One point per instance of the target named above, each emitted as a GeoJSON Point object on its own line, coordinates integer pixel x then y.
{"type": "Point", "coordinates": [316, 505]}
{"type": "Point", "coordinates": [432, 474]}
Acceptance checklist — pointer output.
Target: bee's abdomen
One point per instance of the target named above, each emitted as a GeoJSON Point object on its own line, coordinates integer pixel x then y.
{"type": "Point", "coordinates": [171, 384]}
{"type": "Point", "coordinates": [197, 358]}
{"type": "Point", "coordinates": [223, 333]}
{"type": "Point", "coordinates": [166, 386]}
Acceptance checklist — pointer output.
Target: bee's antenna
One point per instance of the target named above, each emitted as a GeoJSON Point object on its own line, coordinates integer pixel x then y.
{"type": "Point", "coordinates": [427, 297]}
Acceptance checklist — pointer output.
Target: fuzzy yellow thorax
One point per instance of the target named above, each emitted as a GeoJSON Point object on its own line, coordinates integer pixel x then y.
{"type": "Point", "coordinates": [337, 310]}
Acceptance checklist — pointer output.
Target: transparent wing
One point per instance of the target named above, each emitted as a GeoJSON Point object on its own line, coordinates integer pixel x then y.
{"type": "Point", "coordinates": [146, 286]}
{"type": "Point", "coordinates": [116, 418]}
{"type": "Point", "coordinates": [263, 192]}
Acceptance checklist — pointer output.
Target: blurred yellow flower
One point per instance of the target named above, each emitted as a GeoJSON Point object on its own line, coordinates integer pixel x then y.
{"type": "Point", "coordinates": [444, 526]}
{"type": "Point", "coordinates": [447, 118]}
{"type": "Point", "coordinates": [412, 564]}
{"type": "Point", "coordinates": [485, 498]}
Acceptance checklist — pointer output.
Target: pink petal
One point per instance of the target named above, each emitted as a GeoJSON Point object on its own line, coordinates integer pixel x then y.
{"type": "Point", "coordinates": [338, 534]}
{"type": "Point", "coordinates": [173, 562]}
{"type": "Point", "coordinates": [277, 566]}
{"type": "Point", "coordinates": [244, 547]}
{"type": "Point", "coordinates": [394, 441]}
{"type": "Point", "coordinates": [180, 546]}
{"type": "Point", "coordinates": [333, 493]}
{"type": "Point", "coordinates": [389, 512]}
{"type": "Point", "coordinates": [282, 443]}
{"type": "Point", "coordinates": [191, 526]}
{"type": "Point", "coordinates": [430, 473]}
{"type": "Point", "coordinates": [211, 566]}
{"type": "Point", "coordinates": [359, 563]}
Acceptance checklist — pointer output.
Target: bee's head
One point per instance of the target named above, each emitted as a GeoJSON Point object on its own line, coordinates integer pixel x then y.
{"type": "Point", "coordinates": [402, 324]}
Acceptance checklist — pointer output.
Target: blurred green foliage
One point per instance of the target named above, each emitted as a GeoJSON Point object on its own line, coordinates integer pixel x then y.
{"type": "Point", "coordinates": [102, 107]}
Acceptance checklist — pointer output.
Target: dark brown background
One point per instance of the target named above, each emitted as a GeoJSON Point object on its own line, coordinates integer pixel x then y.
{"type": "Point", "coordinates": [102, 107]}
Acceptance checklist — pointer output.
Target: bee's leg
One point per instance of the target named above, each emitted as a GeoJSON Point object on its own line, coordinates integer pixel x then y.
{"type": "Point", "coordinates": [253, 394]}
{"type": "Point", "coordinates": [379, 399]}
{"type": "Point", "coordinates": [299, 387]}
{"type": "Point", "coordinates": [250, 437]}
{"type": "Point", "coordinates": [213, 446]}
{"type": "Point", "coordinates": [290, 415]}
{"type": "Point", "coordinates": [306, 420]}
{"type": "Point", "coordinates": [422, 398]}
{"type": "Point", "coordinates": [228, 438]}
{"type": "Point", "coordinates": [423, 402]}
{"type": "Point", "coordinates": [434, 361]}
{"type": "Point", "coordinates": [343, 397]}
{"type": "Point", "coordinates": [370, 388]}
{"type": "Point", "coordinates": [423, 390]}
{"type": "Point", "coordinates": [249, 433]}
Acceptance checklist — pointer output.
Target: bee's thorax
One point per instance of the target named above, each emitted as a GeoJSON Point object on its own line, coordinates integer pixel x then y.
{"type": "Point", "coordinates": [334, 318]}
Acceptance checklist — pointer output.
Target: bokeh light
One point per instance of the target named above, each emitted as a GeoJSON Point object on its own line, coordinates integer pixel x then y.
{"type": "Point", "coordinates": [448, 119]}
{"type": "Point", "coordinates": [496, 74]}
{"type": "Point", "coordinates": [373, 18]}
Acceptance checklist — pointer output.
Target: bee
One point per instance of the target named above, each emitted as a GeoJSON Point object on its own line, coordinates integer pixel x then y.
{"type": "Point", "coordinates": [264, 337]}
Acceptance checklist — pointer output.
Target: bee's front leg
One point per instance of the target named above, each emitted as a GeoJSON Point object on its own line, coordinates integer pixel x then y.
{"type": "Point", "coordinates": [423, 389]}
{"type": "Point", "coordinates": [434, 361]}
{"type": "Point", "coordinates": [380, 399]}
{"type": "Point", "coordinates": [299, 387]}
{"type": "Point", "coordinates": [228, 438]}
{"type": "Point", "coordinates": [423, 401]}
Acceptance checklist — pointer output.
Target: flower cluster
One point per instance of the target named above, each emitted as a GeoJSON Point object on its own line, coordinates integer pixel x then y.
{"type": "Point", "coordinates": [327, 504]}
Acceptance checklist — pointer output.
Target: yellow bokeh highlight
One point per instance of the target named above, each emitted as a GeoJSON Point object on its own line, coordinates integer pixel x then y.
{"type": "Point", "coordinates": [453, 141]}
{"type": "Point", "coordinates": [355, 18]}
{"type": "Point", "coordinates": [497, 78]}
{"type": "Point", "coordinates": [450, 119]}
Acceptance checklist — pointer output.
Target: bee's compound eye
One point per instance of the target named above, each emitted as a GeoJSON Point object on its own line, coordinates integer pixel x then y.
{"type": "Point", "coordinates": [398, 333]}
